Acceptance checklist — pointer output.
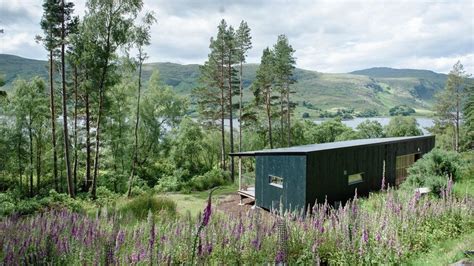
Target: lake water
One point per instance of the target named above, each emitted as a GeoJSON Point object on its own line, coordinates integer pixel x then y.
{"type": "Point", "coordinates": [423, 122]}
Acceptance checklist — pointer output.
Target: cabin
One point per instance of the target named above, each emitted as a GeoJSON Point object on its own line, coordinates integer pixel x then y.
{"type": "Point", "coordinates": [302, 175]}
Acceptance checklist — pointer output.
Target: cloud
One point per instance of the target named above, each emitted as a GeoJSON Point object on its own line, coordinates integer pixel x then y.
{"type": "Point", "coordinates": [329, 36]}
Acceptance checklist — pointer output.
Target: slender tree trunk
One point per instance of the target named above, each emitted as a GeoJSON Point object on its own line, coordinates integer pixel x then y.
{"type": "Point", "coordinates": [75, 129]}
{"type": "Point", "coordinates": [70, 184]}
{"type": "Point", "coordinates": [269, 117]}
{"type": "Point", "coordinates": [288, 114]}
{"type": "Point", "coordinates": [457, 121]}
{"type": "Point", "coordinates": [99, 113]}
{"type": "Point", "coordinates": [20, 167]}
{"type": "Point", "coordinates": [87, 182]}
{"type": "Point", "coordinates": [137, 121]}
{"type": "Point", "coordinates": [223, 155]}
{"type": "Point", "coordinates": [282, 115]}
{"type": "Point", "coordinates": [30, 134]}
{"type": "Point", "coordinates": [240, 106]}
{"type": "Point", "coordinates": [231, 122]}
{"type": "Point", "coordinates": [53, 122]}
{"type": "Point", "coordinates": [38, 162]}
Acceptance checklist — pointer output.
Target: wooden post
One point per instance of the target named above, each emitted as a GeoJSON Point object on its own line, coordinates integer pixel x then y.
{"type": "Point", "coordinates": [240, 179]}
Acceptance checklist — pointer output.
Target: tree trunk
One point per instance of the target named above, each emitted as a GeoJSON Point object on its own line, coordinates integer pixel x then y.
{"type": "Point", "coordinates": [231, 122]}
{"type": "Point", "coordinates": [38, 162]}
{"type": "Point", "coordinates": [30, 134]}
{"type": "Point", "coordinates": [70, 185]}
{"type": "Point", "coordinates": [20, 167]}
{"type": "Point", "coordinates": [53, 122]}
{"type": "Point", "coordinates": [458, 100]}
{"type": "Point", "coordinates": [137, 121]}
{"type": "Point", "coordinates": [223, 155]}
{"type": "Point", "coordinates": [288, 114]}
{"type": "Point", "coordinates": [269, 117]}
{"type": "Point", "coordinates": [282, 136]}
{"type": "Point", "coordinates": [87, 182]}
{"type": "Point", "coordinates": [240, 106]}
{"type": "Point", "coordinates": [75, 129]}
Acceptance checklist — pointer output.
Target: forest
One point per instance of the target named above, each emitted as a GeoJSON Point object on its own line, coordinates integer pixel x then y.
{"type": "Point", "coordinates": [97, 158]}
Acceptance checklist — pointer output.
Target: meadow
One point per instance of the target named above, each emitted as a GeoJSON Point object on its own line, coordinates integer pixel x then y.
{"type": "Point", "coordinates": [391, 226]}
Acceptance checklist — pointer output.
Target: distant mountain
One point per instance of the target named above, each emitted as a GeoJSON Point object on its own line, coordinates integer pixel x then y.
{"type": "Point", "coordinates": [376, 88]}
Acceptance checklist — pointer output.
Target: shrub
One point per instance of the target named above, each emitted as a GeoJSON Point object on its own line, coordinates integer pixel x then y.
{"type": "Point", "coordinates": [401, 110]}
{"type": "Point", "coordinates": [434, 169]}
{"type": "Point", "coordinates": [105, 196]}
{"type": "Point", "coordinates": [213, 178]}
{"type": "Point", "coordinates": [173, 182]}
{"type": "Point", "coordinates": [141, 205]}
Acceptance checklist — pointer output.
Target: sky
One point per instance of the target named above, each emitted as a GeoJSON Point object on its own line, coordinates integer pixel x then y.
{"type": "Point", "coordinates": [328, 36]}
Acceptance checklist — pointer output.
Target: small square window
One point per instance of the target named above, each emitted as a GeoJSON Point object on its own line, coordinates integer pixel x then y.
{"type": "Point", "coordinates": [275, 181]}
{"type": "Point", "coordinates": [355, 178]}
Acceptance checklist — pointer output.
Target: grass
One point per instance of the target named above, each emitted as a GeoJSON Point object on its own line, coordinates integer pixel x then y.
{"type": "Point", "coordinates": [195, 202]}
{"type": "Point", "coordinates": [447, 252]}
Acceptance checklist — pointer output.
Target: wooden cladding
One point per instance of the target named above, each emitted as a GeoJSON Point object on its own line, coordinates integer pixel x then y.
{"type": "Point", "coordinates": [402, 164]}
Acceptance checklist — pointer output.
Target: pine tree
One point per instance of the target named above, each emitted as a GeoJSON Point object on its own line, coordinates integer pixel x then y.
{"type": "Point", "coordinates": [243, 44]}
{"type": "Point", "coordinates": [49, 23]}
{"type": "Point", "coordinates": [263, 89]}
{"type": "Point", "coordinates": [284, 67]}
{"type": "Point", "coordinates": [450, 101]}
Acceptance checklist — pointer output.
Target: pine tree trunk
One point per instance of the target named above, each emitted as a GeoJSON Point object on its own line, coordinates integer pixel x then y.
{"type": "Point", "coordinates": [75, 129]}
{"type": "Point", "coordinates": [240, 106]}
{"type": "Point", "coordinates": [269, 117]}
{"type": "Point", "coordinates": [137, 121]}
{"type": "Point", "coordinates": [70, 185]}
{"type": "Point", "coordinates": [53, 122]}
{"type": "Point", "coordinates": [223, 155]}
{"type": "Point", "coordinates": [282, 117]}
{"type": "Point", "coordinates": [30, 134]}
{"type": "Point", "coordinates": [457, 121]}
{"type": "Point", "coordinates": [20, 167]}
{"type": "Point", "coordinates": [231, 122]}
{"type": "Point", "coordinates": [288, 114]}
{"type": "Point", "coordinates": [87, 182]}
{"type": "Point", "coordinates": [38, 162]}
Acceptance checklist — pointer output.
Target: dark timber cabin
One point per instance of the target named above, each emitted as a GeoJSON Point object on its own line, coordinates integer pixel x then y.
{"type": "Point", "coordinates": [299, 176]}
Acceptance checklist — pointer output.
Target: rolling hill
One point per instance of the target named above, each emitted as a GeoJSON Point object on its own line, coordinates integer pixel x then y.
{"type": "Point", "coordinates": [375, 88]}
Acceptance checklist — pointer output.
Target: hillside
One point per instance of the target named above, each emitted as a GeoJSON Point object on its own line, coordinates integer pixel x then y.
{"type": "Point", "coordinates": [374, 88]}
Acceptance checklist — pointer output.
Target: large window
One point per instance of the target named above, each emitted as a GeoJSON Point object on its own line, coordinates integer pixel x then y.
{"type": "Point", "coordinates": [402, 164]}
{"type": "Point", "coordinates": [275, 181]}
{"type": "Point", "coordinates": [355, 178]}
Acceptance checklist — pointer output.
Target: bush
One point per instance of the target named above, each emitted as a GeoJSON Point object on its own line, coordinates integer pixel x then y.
{"type": "Point", "coordinates": [434, 169]}
{"type": "Point", "coordinates": [105, 196]}
{"type": "Point", "coordinates": [141, 205]}
{"type": "Point", "coordinates": [401, 110]}
{"type": "Point", "coordinates": [213, 178]}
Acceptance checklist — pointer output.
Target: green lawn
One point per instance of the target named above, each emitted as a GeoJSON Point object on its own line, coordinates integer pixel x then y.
{"type": "Point", "coordinates": [196, 201]}
{"type": "Point", "coordinates": [447, 252]}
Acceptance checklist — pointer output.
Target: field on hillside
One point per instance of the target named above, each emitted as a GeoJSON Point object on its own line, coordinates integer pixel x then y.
{"type": "Point", "coordinates": [360, 90]}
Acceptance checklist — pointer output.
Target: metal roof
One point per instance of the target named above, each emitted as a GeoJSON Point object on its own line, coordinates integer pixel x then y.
{"type": "Point", "coordinates": [327, 146]}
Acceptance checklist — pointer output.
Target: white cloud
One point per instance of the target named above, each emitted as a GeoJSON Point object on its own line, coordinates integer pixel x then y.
{"type": "Point", "coordinates": [329, 36]}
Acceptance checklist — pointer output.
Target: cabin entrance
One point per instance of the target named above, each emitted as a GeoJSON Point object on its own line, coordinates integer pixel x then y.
{"type": "Point", "coordinates": [402, 164]}
{"type": "Point", "coordinates": [246, 166]}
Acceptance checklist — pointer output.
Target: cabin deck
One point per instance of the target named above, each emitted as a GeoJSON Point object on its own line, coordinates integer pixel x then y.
{"type": "Point", "coordinates": [247, 193]}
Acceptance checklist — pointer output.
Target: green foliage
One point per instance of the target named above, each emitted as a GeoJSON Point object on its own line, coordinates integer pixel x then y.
{"type": "Point", "coordinates": [370, 129]}
{"type": "Point", "coordinates": [213, 178]}
{"type": "Point", "coordinates": [434, 169]}
{"type": "Point", "coordinates": [400, 126]}
{"type": "Point", "coordinates": [368, 113]}
{"type": "Point", "coordinates": [141, 205]}
{"type": "Point", "coordinates": [401, 110]}
{"type": "Point", "coordinates": [327, 131]}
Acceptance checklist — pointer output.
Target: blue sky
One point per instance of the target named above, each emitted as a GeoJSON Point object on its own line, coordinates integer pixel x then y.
{"type": "Point", "coordinates": [329, 36]}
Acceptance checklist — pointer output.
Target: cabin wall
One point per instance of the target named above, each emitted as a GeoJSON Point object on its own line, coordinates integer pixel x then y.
{"type": "Point", "coordinates": [328, 170]}
{"type": "Point", "coordinates": [293, 171]}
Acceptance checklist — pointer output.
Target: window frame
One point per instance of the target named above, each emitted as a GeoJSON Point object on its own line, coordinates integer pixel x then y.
{"type": "Point", "coordinates": [272, 178]}
{"type": "Point", "coordinates": [361, 174]}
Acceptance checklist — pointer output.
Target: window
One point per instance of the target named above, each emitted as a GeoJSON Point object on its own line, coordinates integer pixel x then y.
{"type": "Point", "coordinates": [275, 181]}
{"type": "Point", "coordinates": [402, 164]}
{"type": "Point", "coordinates": [355, 178]}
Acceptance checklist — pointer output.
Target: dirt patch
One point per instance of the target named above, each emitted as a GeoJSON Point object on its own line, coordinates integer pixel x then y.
{"type": "Point", "coordinates": [230, 204]}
